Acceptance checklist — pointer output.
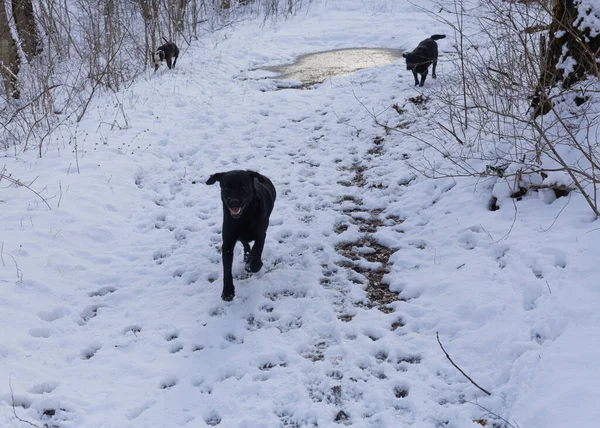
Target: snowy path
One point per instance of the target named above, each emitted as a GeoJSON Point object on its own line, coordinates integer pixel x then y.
{"type": "Point", "coordinates": [117, 319]}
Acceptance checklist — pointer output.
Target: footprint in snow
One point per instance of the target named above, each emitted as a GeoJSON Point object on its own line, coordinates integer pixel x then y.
{"type": "Point", "coordinates": [43, 388]}
{"type": "Point", "coordinates": [232, 338]}
{"type": "Point", "coordinates": [159, 256]}
{"type": "Point", "coordinates": [137, 411]}
{"type": "Point", "coordinates": [103, 291]}
{"type": "Point", "coordinates": [171, 336]}
{"type": "Point", "coordinates": [212, 419]}
{"type": "Point", "coordinates": [168, 382]}
{"type": "Point", "coordinates": [40, 332]}
{"type": "Point", "coordinates": [133, 329]}
{"type": "Point", "coordinates": [400, 392]}
{"type": "Point", "coordinates": [89, 352]}
{"type": "Point", "coordinates": [88, 313]}
{"type": "Point", "coordinates": [176, 347]}
{"type": "Point", "coordinates": [53, 315]}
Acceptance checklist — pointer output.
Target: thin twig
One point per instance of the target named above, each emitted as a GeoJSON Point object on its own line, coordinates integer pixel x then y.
{"type": "Point", "coordinates": [513, 222]}
{"type": "Point", "coordinates": [558, 215]}
{"type": "Point", "coordinates": [60, 197]}
{"type": "Point", "coordinates": [19, 183]}
{"type": "Point", "coordinates": [12, 395]}
{"type": "Point", "coordinates": [492, 413]}
{"type": "Point", "coordinates": [458, 368]}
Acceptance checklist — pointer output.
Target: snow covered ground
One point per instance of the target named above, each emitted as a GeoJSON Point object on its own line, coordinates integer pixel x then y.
{"type": "Point", "coordinates": [110, 301]}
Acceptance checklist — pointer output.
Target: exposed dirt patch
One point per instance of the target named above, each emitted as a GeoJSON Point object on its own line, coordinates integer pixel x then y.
{"type": "Point", "coordinates": [367, 248]}
{"type": "Point", "coordinates": [418, 100]}
{"type": "Point", "coordinates": [359, 177]}
{"type": "Point", "coordinates": [377, 148]}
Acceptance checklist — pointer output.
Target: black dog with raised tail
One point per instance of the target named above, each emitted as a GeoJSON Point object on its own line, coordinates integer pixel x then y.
{"type": "Point", "coordinates": [168, 52]}
{"type": "Point", "coordinates": [425, 54]}
{"type": "Point", "coordinates": [248, 198]}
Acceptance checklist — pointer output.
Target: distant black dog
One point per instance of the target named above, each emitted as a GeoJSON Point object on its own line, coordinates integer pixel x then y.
{"type": "Point", "coordinates": [169, 51]}
{"type": "Point", "coordinates": [248, 198]}
{"type": "Point", "coordinates": [425, 53]}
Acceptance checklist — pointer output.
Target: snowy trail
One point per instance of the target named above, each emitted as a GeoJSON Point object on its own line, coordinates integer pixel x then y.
{"type": "Point", "coordinates": [117, 318]}
{"type": "Point", "coordinates": [150, 306]}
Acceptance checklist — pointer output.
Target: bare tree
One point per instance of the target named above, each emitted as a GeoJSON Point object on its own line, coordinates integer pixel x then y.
{"type": "Point", "coordinates": [571, 53]}
{"type": "Point", "coordinates": [24, 18]}
{"type": "Point", "coordinates": [9, 56]}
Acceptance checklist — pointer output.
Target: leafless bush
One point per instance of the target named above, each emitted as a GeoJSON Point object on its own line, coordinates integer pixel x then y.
{"type": "Point", "coordinates": [92, 46]}
{"type": "Point", "coordinates": [485, 124]}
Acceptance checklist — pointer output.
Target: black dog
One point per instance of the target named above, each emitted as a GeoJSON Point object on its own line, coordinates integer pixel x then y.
{"type": "Point", "coordinates": [248, 198]}
{"type": "Point", "coordinates": [424, 54]}
{"type": "Point", "coordinates": [169, 51]}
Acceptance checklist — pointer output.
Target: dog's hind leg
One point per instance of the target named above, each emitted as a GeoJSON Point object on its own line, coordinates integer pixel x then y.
{"type": "Point", "coordinates": [169, 63]}
{"type": "Point", "coordinates": [433, 70]}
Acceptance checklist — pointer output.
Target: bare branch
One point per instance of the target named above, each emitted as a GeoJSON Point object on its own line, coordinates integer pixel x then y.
{"type": "Point", "coordinates": [12, 395]}
{"type": "Point", "coordinates": [458, 368]}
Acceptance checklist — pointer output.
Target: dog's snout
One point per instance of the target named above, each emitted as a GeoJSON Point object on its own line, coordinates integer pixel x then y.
{"type": "Point", "coordinates": [234, 202]}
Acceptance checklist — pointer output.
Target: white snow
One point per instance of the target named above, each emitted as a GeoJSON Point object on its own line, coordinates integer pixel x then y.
{"type": "Point", "coordinates": [110, 301]}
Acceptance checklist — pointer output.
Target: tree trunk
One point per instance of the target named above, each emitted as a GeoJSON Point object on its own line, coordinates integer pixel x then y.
{"type": "Point", "coordinates": [9, 56]}
{"type": "Point", "coordinates": [571, 53]}
{"type": "Point", "coordinates": [24, 17]}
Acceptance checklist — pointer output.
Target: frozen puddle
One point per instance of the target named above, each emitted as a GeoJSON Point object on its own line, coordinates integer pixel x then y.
{"type": "Point", "coordinates": [316, 67]}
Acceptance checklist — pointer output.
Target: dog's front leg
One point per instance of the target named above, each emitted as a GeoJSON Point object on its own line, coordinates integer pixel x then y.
{"type": "Point", "coordinates": [247, 253]}
{"type": "Point", "coordinates": [416, 78]}
{"type": "Point", "coordinates": [169, 63]}
{"type": "Point", "coordinates": [256, 255]}
{"type": "Point", "coordinates": [227, 253]}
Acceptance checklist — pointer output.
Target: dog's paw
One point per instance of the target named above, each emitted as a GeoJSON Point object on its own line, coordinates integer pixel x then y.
{"type": "Point", "coordinates": [255, 266]}
{"type": "Point", "coordinates": [228, 295]}
{"type": "Point", "coordinates": [247, 257]}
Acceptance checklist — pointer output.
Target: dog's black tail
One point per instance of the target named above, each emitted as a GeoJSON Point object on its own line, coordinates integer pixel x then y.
{"type": "Point", "coordinates": [165, 39]}
{"type": "Point", "coordinates": [438, 36]}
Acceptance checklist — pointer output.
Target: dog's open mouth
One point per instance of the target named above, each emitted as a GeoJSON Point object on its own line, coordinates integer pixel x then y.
{"type": "Point", "coordinates": [236, 212]}
{"type": "Point", "coordinates": [236, 209]}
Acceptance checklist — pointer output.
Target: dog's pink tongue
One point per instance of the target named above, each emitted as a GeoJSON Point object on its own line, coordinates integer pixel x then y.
{"type": "Point", "coordinates": [235, 211]}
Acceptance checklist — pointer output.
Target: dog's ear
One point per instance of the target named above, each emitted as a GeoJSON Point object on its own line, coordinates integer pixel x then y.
{"type": "Point", "coordinates": [256, 175]}
{"type": "Point", "coordinates": [214, 178]}
{"type": "Point", "coordinates": [403, 54]}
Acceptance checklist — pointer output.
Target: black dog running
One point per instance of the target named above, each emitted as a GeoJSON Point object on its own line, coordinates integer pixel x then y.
{"type": "Point", "coordinates": [248, 198]}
